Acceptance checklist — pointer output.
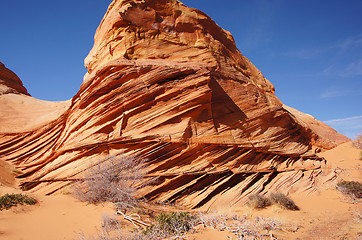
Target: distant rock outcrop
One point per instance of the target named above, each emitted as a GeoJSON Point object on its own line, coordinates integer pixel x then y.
{"type": "Point", "coordinates": [166, 83]}
{"type": "Point", "coordinates": [10, 82]}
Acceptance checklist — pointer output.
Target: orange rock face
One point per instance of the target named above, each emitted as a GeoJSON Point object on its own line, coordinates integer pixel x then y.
{"type": "Point", "coordinates": [166, 83]}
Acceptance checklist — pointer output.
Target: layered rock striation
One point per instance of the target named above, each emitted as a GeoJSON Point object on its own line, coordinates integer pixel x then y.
{"type": "Point", "coordinates": [167, 84]}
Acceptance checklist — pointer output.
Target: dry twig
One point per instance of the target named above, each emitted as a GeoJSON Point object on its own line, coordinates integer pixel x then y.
{"type": "Point", "coordinates": [134, 221]}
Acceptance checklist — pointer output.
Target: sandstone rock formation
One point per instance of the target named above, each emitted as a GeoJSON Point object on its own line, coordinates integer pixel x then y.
{"type": "Point", "coordinates": [19, 112]}
{"type": "Point", "coordinates": [166, 83]}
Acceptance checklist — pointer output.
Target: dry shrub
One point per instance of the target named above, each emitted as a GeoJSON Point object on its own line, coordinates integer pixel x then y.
{"type": "Point", "coordinates": [111, 222]}
{"type": "Point", "coordinates": [175, 224]}
{"type": "Point", "coordinates": [241, 226]}
{"type": "Point", "coordinates": [258, 201]}
{"type": "Point", "coordinates": [352, 188]}
{"type": "Point", "coordinates": [358, 142]}
{"type": "Point", "coordinates": [213, 220]}
{"type": "Point", "coordinates": [283, 201]}
{"type": "Point", "coordinates": [112, 180]}
{"type": "Point", "coordinates": [101, 235]}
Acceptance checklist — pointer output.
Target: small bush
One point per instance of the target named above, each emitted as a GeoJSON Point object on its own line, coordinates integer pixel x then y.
{"type": "Point", "coordinates": [351, 188]}
{"type": "Point", "coordinates": [9, 200]}
{"type": "Point", "coordinates": [176, 222]}
{"type": "Point", "coordinates": [241, 226]}
{"type": "Point", "coordinates": [112, 180]}
{"type": "Point", "coordinates": [111, 222]}
{"type": "Point", "coordinates": [213, 220]}
{"type": "Point", "coordinates": [358, 142]}
{"type": "Point", "coordinates": [258, 201]}
{"type": "Point", "coordinates": [283, 201]}
{"type": "Point", "coordinates": [171, 224]}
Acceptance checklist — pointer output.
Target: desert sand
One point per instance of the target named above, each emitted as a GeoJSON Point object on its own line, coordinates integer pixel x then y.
{"type": "Point", "coordinates": [53, 217]}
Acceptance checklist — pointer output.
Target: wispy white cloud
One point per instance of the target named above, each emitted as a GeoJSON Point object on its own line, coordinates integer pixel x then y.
{"type": "Point", "coordinates": [352, 69]}
{"type": "Point", "coordinates": [305, 53]}
{"type": "Point", "coordinates": [332, 93]}
{"type": "Point", "coordinates": [350, 127]}
{"type": "Point", "coordinates": [262, 24]}
{"type": "Point", "coordinates": [350, 42]}
{"type": "Point", "coordinates": [340, 91]}
{"type": "Point", "coordinates": [345, 119]}
{"type": "Point", "coordinates": [338, 48]}
{"type": "Point", "coordinates": [337, 59]}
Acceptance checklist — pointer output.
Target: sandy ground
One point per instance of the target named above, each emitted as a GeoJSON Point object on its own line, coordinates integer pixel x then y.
{"type": "Point", "coordinates": [54, 217]}
{"type": "Point", "coordinates": [326, 215]}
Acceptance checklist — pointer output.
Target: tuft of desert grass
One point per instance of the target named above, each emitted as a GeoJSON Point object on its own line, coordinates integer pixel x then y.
{"type": "Point", "coordinates": [351, 188]}
{"type": "Point", "coordinates": [242, 227]}
{"type": "Point", "coordinates": [258, 201]}
{"type": "Point", "coordinates": [111, 222]}
{"type": "Point", "coordinates": [283, 201]}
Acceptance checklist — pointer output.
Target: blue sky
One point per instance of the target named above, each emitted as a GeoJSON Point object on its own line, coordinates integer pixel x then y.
{"type": "Point", "coordinates": [310, 50]}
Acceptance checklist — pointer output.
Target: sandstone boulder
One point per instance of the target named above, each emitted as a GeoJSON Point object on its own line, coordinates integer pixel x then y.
{"type": "Point", "coordinates": [167, 84]}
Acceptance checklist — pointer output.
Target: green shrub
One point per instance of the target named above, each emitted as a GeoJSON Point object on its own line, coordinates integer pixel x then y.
{"type": "Point", "coordinates": [283, 201]}
{"type": "Point", "coordinates": [351, 188]}
{"type": "Point", "coordinates": [176, 222]}
{"type": "Point", "coordinates": [9, 200]}
{"type": "Point", "coordinates": [170, 224]}
{"type": "Point", "coordinates": [258, 201]}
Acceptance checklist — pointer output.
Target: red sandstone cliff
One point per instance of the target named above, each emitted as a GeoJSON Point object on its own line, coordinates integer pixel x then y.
{"type": "Point", "coordinates": [166, 83]}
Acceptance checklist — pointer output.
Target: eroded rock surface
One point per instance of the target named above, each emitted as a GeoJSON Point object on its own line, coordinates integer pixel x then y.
{"type": "Point", "coordinates": [166, 83]}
